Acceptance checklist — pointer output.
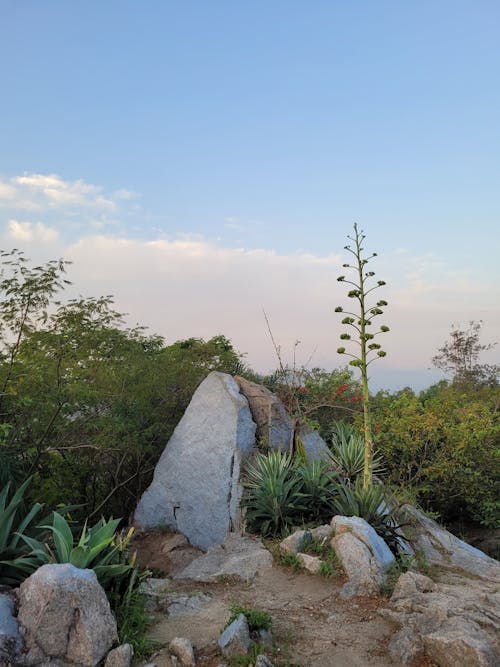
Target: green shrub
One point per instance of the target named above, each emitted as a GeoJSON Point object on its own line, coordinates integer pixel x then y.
{"type": "Point", "coordinates": [256, 619]}
{"type": "Point", "coordinates": [376, 506]}
{"type": "Point", "coordinates": [17, 561]}
{"type": "Point", "coordinates": [347, 453]}
{"type": "Point", "coordinates": [272, 494]}
{"type": "Point", "coordinates": [317, 490]}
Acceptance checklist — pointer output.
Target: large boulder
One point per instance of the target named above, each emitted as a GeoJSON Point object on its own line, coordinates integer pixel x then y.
{"type": "Point", "coordinates": [315, 447]}
{"type": "Point", "coordinates": [65, 617]}
{"type": "Point", "coordinates": [363, 554]}
{"type": "Point", "coordinates": [196, 486]}
{"type": "Point", "coordinates": [457, 624]}
{"type": "Point", "coordinates": [441, 549]}
{"type": "Point", "coordinates": [275, 429]}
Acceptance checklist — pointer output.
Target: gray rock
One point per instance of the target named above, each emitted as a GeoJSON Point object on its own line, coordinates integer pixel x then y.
{"type": "Point", "coordinates": [364, 532]}
{"type": "Point", "coordinates": [442, 549]}
{"type": "Point", "coordinates": [296, 541]}
{"type": "Point", "coordinates": [265, 638]}
{"type": "Point", "coordinates": [239, 556]}
{"type": "Point", "coordinates": [10, 638]}
{"type": "Point", "coordinates": [235, 638]}
{"type": "Point", "coordinates": [322, 533]}
{"type": "Point", "coordinates": [65, 616]}
{"type": "Point", "coordinates": [182, 649]}
{"type": "Point", "coordinates": [156, 593]}
{"type": "Point", "coordinates": [196, 486]}
{"type": "Point", "coordinates": [316, 448]}
{"type": "Point", "coordinates": [263, 661]}
{"type": "Point", "coordinates": [457, 624]}
{"type": "Point", "coordinates": [310, 563]}
{"type": "Point", "coordinates": [172, 542]}
{"type": "Point", "coordinates": [121, 656]}
{"type": "Point", "coordinates": [274, 427]}
{"type": "Point", "coordinates": [183, 604]}
{"type": "Point", "coordinates": [363, 554]}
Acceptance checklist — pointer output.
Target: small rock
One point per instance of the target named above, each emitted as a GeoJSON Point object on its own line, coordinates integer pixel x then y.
{"type": "Point", "coordinates": [182, 649]}
{"type": "Point", "coordinates": [263, 661]}
{"type": "Point", "coordinates": [235, 638]}
{"type": "Point", "coordinates": [240, 556]}
{"type": "Point", "coordinates": [182, 604]}
{"type": "Point", "coordinates": [310, 563]}
{"type": "Point", "coordinates": [120, 656]}
{"type": "Point", "coordinates": [410, 583]}
{"type": "Point", "coordinates": [156, 593]}
{"type": "Point", "coordinates": [296, 541]}
{"type": "Point", "coordinates": [322, 533]}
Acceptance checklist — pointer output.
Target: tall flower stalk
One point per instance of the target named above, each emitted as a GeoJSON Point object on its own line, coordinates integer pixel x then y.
{"type": "Point", "coordinates": [361, 321]}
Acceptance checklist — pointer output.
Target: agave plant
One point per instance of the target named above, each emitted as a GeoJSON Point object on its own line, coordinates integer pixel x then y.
{"type": "Point", "coordinates": [97, 548]}
{"type": "Point", "coordinates": [16, 560]}
{"type": "Point", "coordinates": [318, 487]}
{"type": "Point", "coordinates": [375, 505]}
{"type": "Point", "coordinates": [347, 452]}
{"type": "Point", "coordinates": [272, 493]}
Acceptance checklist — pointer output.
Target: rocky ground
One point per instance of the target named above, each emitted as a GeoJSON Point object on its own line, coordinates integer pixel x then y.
{"type": "Point", "coordinates": [312, 625]}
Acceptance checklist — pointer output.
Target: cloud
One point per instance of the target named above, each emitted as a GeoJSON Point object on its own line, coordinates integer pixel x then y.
{"type": "Point", "coordinates": [31, 231]}
{"type": "Point", "coordinates": [51, 192]}
{"type": "Point", "coordinates": [190, 286]}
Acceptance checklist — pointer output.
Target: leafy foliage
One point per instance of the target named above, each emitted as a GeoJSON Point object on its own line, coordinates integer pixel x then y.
{"type": "Point", "coordinates": [272, 493]}
{"type": "Point", "coordinates": [347, 453]}
{"type": "Point", "coordinates": [459, 357]}
{"type": "Point", "coordinates": [256, 619]}
{"type": "Point", "coordinates": [16, 560]}
{"type": "Point", "coordinates": [373, 504]}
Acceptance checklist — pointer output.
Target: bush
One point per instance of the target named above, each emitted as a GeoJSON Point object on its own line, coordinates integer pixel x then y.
{"type": "Point", "coordinates": [17, 561]}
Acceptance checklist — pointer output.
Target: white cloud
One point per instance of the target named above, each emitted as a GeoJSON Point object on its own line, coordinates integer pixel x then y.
{"type": "Point", "coordinates": [189, 286]}
{"type": "Point", "coordinates": [31, 231]}
{"type": "Point", "coordinates": [51, 192]}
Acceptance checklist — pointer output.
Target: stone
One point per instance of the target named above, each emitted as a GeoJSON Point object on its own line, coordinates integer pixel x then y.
{"type": "Point", "coordinates": [442, 549]}
{"type": "Point", "coordinates": [121, 656]}
{"type": "Point", "coordinates": [364, 532]}
{"type": "Point", "coordinates": [453, 624]}
{"type": "Point", "coordinates": [196, 487]}
{"type": "Point", "coordinates": [156, 591]}
{"type": "Point", "coordinates": [363, 554]}
{"type": "Point", "coordinates": [275, 428]}
{"type": "Point", "coordinates": [310, 563]}
{"type": "Point", "coordinates": [182, 649]}
{"type": "Point", "coordinates": [10, 638]}
{"type": "Point", "coordinates": [65, 617]}
{"type": "Point", "coordinates": [296, 541]}
{"type": "Point", "coordinates": [322, 534]}
{"type": "Point", "coordinates": [265, 638]}
{"type": "Point", "coordinates": [314, 445]}
{"type": "Point", "coordinates": [240, 556]}
{"type": "Point", "coordinates": [263, 661]}
{"type": "Point", "coordinates": [183, 604]}
{"type": "Point", "coordinates": [235, 638]}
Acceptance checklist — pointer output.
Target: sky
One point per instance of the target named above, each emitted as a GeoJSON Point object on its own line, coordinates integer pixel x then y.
{"type": "Point", "coordinates": [204, 162]}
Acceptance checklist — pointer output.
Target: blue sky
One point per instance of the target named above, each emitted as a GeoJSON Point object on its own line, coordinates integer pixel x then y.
{"type": "Point", "coordinates": [203, 161]}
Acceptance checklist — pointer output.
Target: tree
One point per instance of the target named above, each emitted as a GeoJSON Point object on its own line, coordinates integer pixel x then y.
{"type": "Point", "coordinates": [459, 357]}
{"type": "Point", "coordinates": [360, 321]}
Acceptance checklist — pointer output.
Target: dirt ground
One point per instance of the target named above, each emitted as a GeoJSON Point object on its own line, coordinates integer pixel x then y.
{"type": "Point", "coordinates": [312, 625]}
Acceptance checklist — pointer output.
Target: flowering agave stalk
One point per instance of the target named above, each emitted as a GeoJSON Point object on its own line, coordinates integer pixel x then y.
{"type": "Point", "coordinates": [361, 321]}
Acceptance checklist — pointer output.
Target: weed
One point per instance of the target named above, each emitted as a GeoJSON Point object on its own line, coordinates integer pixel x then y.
{"type": "Point", "coordinates": [402, 564]}
{"type": "Point", "coordinates": [256, 619]}
{"type": "Point", "coordinates": [288, 560]}
{"type": "Point", "coordinates": [331, 566]}
{"type": "Point", "coordinates": [247, 659]}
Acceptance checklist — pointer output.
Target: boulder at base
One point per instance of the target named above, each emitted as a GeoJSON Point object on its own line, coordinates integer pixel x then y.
{"type": "Point", "coordinates": [65, 617]}
{"type": "Point", "coordinates": [363, 554]}
{"type": "Point", "coordinates": [196, 486]}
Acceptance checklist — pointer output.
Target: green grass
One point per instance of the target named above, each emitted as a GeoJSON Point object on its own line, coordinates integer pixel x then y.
{"type": "Point", "coordinates": [256, 619]}
{"type": "Point", "coordinates": [331, 566]}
